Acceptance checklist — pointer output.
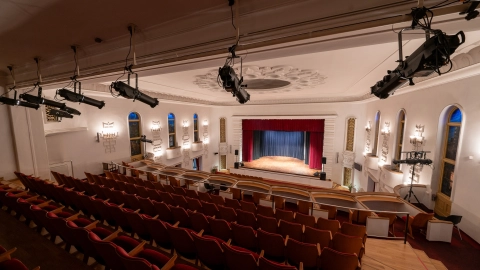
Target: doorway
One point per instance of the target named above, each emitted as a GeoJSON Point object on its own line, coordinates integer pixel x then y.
{"type": "Point", "coordinates": [197, 163]}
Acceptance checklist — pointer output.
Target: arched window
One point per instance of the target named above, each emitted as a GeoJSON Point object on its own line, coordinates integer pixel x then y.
{"type": "Point", "coordinates": [195, 128]}
{"type": "Point", "coordinates": [450, 144]}
{"type": "Point", "coordinates": [400, 134]}
{"type": "Point", "coordinates": [172, 140]}
{"type": "Point", "coordinates": [377, 131]}
{"type": "Point", "coordinates": [135, 131]}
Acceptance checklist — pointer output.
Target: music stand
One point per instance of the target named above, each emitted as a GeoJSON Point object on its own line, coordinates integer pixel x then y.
{"type": "Point", "coordinates": [413, 158]}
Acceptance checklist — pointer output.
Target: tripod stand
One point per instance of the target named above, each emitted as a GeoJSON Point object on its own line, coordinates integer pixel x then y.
{"type": "Point", "coordinates": [410, 192]}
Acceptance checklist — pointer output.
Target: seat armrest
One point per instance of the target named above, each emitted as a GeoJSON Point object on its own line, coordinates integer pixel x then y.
{"type": "Point", "coordinates": [92, 225]}
{"type": "Point", "coordinates": [59, 209]}
{"type": "Point", "coordinates": [44, 203]}
{"type": "Point", "coordinates": [7, 254]}
{"type": "Point", "coordinates": [286, 240]}
{"type": "Point", "coordinates": [170, 263]}
{"type": "Point", "coordinates": [200, 233]}
{"type": "Point", "coordinates": [32, 198]}
{"type": "Point", "coordinates": [111, 236]}
{"type": "Point", "coordinates": [74, 217]}
{"type": "Point", "coordinates": [137, 249]}
{"type": "Point", "coordinates": [229, 242]}
{"type": "Point", "coordinates": [176, 224]}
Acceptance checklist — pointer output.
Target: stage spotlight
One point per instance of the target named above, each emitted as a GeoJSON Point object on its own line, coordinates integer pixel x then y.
{"type": "Point", "coordinates": [71, 110]}
{"type": "Point", "coordinates": [39, 100]}
{"type": "Point", "coordinates": [233, 84]}
{"type": "Point", "coordinates": [433, 54]}
{"type": "Point", "coordinates": [59, 113]}
{"type": "Point", "coordinates": [77, 97]}
{"type": "Point", "coordinates": [144, 139]}
{"type": "Point", "coordinates": [129, 92]}
{"type": "Point", "coordinates": [15, 102]}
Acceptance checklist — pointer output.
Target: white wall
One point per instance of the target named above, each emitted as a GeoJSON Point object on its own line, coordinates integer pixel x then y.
{"type": "Point", "coordinates": [87, 154]}
{"type": "Point", "coordinates": [425, 107]}
{"type": "Point", "coordinates": [7, 152]}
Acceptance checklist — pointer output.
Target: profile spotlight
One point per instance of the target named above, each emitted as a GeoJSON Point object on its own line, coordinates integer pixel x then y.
{"type": "Point", "coordinates": [39, 100]}
{"type": "Point", "coordinates": [59, 113]}
{"type": "Point", "coordinates": [71, 110]}
{"type": "Point", "coordinates": [129, 92]}
{"type": "Point", "coordinates": [231, 83]}
{"type": "Point", "coordinates": [433, 54]}
{"type": "Point", "coordinates": [77, 97]}
{"type": "Point", "coordinates": [16, 102]}
{"type": "Point", "coordinates": [144, 139]}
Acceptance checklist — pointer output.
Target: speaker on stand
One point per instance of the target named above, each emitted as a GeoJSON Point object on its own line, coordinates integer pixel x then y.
{"type": "Point", "coordinates": [323, 175]}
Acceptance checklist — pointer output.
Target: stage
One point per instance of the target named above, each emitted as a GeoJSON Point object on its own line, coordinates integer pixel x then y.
{"type": "Point", "coordinates": [284, 169]}
{"type": "Point", "coordinates": [281, 164]}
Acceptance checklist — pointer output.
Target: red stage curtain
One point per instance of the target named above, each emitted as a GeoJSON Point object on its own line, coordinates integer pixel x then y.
{"type": "Point", "coordinates": [316, 150]}
{"type": "Point", "coordinates": [311, 125]}
{"type": "Point", "coordinates": [247, 145]}
{"type": "Point", "coordinates": [314, 126]}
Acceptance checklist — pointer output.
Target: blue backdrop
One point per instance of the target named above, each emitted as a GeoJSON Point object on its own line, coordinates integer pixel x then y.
{"type": "Point", "coordinates": [279, 143]}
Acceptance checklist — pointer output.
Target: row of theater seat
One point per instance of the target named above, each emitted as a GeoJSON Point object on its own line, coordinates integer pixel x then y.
{"type": "Point", "coordinates": [244, 213]}
{"type": "Point", "coordinates": [9, 263]}
{"type": "Point", "coordinates": [189, 218]}
{"type": "Point", "coordinates": [111, 248]}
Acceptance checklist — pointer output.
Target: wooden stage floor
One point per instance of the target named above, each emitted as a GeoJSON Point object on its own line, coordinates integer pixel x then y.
{"type": "Point", "coordinates": [281, 164]}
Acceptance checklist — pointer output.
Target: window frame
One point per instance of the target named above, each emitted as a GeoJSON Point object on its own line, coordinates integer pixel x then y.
{"type": "Point", "coordinates": [195, 131]}
{"type": "Point", "coordinates": [401, 119]}
{"type": "Point", "coordinates": [139, 120]}
{"type": "Point", "coordinates": [174, 131]}
{"type": "Point", "coordinates": [444, 158]}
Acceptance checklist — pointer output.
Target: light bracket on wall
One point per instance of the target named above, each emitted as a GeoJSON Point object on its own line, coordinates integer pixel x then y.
{"type": "Point", "coordinates": [417, 139]}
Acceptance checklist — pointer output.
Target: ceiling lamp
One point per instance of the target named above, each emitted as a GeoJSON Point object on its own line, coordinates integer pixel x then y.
{"type": "Point", "coordinates": [73, 96]}
{"type": "Point", "coordinates": [124, 89]}
{"type": "Point", "coordinates": [230, 81]}
{"type": "Point", "coordinates": [433, 54]}
{"type": "Point", "coordinates": [15, 102]}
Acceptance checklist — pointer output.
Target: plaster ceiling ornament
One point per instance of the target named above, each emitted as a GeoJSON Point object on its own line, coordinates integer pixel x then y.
{"type": "Point", "coordinates": [263, 79]}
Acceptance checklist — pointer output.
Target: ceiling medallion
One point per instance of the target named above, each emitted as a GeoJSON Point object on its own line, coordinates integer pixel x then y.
{"type": "Point", "coordinates": [276, 79]}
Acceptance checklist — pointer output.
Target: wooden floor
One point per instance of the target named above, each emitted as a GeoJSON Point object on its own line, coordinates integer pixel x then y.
{"type": "Point", "coordinates": [393, 254]}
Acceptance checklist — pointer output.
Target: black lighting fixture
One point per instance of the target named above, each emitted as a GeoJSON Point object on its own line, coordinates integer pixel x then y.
{"type": "Point", "coordinates": [230, 81]}
{"type": "Point", "coordinates": [124, 89]}
{"type": "Point", "coordinates": [16, 102]}
{"type": "Point", "coordinates": [471, 12]}
{"type": "Point", "coordinates": [144, 139]}
{"type": "Point", "coordinates": [127, 91]}
{"type": "Point", "coordinates": [433, 54]}
{"type": "Point", "coordinates": [73, 96]}
{"type": "Point", "coordinates": [59, 113]}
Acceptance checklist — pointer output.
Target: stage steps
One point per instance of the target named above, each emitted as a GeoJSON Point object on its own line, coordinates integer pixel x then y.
{"type": "Point", "coordinates": [428, 262]}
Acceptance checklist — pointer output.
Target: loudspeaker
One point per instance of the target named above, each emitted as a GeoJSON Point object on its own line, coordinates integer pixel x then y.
{"type": "Point", "coordinates": [237, 165]}
{"type": "Point", "coordinates": [323, 176]}
{"type": "Point", "coordinates": [324, 160]}
{"type": "Point", "coordinates": [236, 152]}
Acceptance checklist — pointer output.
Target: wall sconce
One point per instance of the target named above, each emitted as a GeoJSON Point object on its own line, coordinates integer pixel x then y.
{"type": "Point", "coordinates": [108, 132]}
{"type": "Point", "coordinates": [185, 123]}
{"type": "Point", "coordinates": [156, 127]}
{"type": "Point", "coordinates": [417, 140]}
{"type": "Point", "coordinates": [109, 136]}
{"type": "Point", "coordinates": [368, 128]}
{"type": "Point", "coordinates": [205, 123]}
{"type": "Point", "coordinates": [386, 129]}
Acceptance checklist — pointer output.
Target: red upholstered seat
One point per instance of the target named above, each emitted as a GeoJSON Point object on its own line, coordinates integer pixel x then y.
{"type": "Point", "coordinates": [244, 236]}
{"type": "Point", "coordinates": [181, 215]}
{"type": "Point", "coordinates": [199, 222]}
{"type": "Point", "coordinates": [210, 209]}
{"type": "Point", "coordinates": [247, 219]}
{"type": "Point", "coordinates": [268, 224]}
{"type": "Point", "coordinates": [194, 204]}
{"type": "Point", "coordinates": [232, 203]}
{"type": "Point", "coordinates": [209, 251]}
{"type": "Point", "coordinates": [264, 264]}
{"type": "Point", "coordinates": [205, 197]}
{"type": "Point", "coordinates": [237, 258]}
{"type": "Point", "coordinates": [248, 207]}
{"type": "Point", "coordinates": [266, 211]}
{"type": "Point", "coordinates": [293, 230]}
{"type": "Point", "coordinates": [12, 264]}
{"type": "Point", "coordinates": [180, 201]}
{"type": "Point", "coordinates": [333, 260]}
{"type": "Point", "coordinates": [220, 228]}
{"type": "Point", "coordinates": [298, 252]}
{"type": "Point", "coordinates": [227, 213]}
{"type": "Point", "coordinates": [272, 245]}
{"type": "Point", "coordinates": [182, 241]}
{"type": "Point", "coordinates": [313, 236]}
{"type": "Point", "coordinates": [159, 232]}
{"type": "Point", "coordinates": [284, 215]}
{"type": "Point", "coordinates": [163, 211]}
{"type": "Point", "coordinates": [305, 220]}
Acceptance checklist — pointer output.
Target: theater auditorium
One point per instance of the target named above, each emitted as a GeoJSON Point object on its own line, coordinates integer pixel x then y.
{"type": "Point", "coordinates": [239, 134]}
